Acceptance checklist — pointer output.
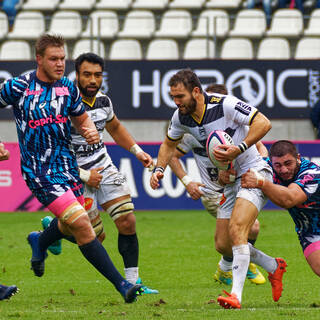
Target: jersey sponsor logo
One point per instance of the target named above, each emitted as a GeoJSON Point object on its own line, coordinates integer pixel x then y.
{"type": "Point", "coordinates": [33, 124]}
{"type": "Point", "coordinates": [215, 99]}
{"type": "Point", "coordinates": [243, 108]}
{"type": "Point", "coordinates": [33, 92]}
{"type": "Point", "coordinates": [62, 91]}
{"type": "Point", "coordinates": [88, 202]}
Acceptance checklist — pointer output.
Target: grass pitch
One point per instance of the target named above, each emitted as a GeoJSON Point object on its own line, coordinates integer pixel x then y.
{"type": "Point", "coordinates": [177, 257]}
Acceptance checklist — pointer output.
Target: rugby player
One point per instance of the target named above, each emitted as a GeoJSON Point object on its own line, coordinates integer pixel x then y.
{"type": "Point", "coordinates": [199, 114]}
{"type": "Point", "coordinates": [43, 100]}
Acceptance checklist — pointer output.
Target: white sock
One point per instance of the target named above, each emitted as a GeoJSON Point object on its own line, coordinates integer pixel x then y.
{"type": "Point", "coordinates": [225, 265]}
{"type": "Point", "coordinates": [131, 274]}
{"type": "Point", "coordinates": [241, 260]}
{"type": "Point", "coordinates": [260, 258]}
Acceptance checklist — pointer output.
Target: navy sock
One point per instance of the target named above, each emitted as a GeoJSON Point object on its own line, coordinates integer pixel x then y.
{"type": "Point", "coordinates": [128, 247]}
{"type": "Point", "coordinates": [229, 259]}
{"type": "Point", "coordinates": [252, 241]}
{"type": "Point", "coordinates": [50, 235]}
{"type": "Point", "coordinates": [97, 255]}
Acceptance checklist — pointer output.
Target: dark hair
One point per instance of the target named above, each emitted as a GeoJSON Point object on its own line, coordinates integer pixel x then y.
{"type": "Point", "coordinates": [46, 40]}
{"type": "Point", "coordinates": [283, 147]}
{"type": "Point", "coordinates": [187, 77]}
{"type": "Point", "coordinates": [89, 57]}
{"type": "Point", "coordinates": [217, 88]}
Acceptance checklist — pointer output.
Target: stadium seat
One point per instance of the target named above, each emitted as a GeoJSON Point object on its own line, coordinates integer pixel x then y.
{"type": "Point", "coordinates": [88, 45]}
{"type": "Point", "coordinates": [313, 28]}
{"type": "Point", "coordinates": [28, 25]}
{"type": "Point", "coordinates": [67, 23]}
{"type": "Point", "coordinates": [250, 23]}
{"type": "Point", "coordinates": [286, 23]}
{"type": "Point", "coordinates": [237, 48]}
{"type": "Point", "coordinates": [213, 23]}
{"type": "Point", "coordinates": [187, 4]}
{"type": "Point", "coordinates": [15, 50]}
{"type": "Point", "coordinates": [199, 49]}
{"type": "Point", "coordinates": [77, 5]}
{"type": "Point", "coordinates": [273, 49]}
{"type": "Point", "coordinates": [223, 4]}
{"type": "Point", "coordinates": [4, 25]}
{"type": "Point", "coordinates": [308, 48]}
{"type": "Point", "coordinates": [175, 24]}
{"type": "Point", "coordinates": [112, 4]}
{"type": "Point", "coordinates": [102, 24]}
{"type": "Point", "coordinates": [152, 5]}
{"type": "Point", "coordinates": [138, 24]}
{"type": "Point", "coordinates": [162, 49]}
{"type": "Point", "coordinates": [41, 5]}
{"type": "Point", "coordinates": [122, 49]}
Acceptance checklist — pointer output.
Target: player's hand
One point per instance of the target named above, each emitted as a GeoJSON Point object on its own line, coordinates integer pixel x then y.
{"type": "Point", "coordinates": [226, 153]}
{"type": "Point", "coordinates": [250, 179]}
{"type": "Point", "coordinates": [227, 176]}
{"type": "Point", "coordinates": [4, 153]}
{"type": "Point", "coordinates": [91, 135]}
{"type": "Point", "coordinates": [155, 178]}
{"type": "Point", "coordinates": [194, 190]}
{"type": "Point", "coordinates": [145, 159]}
{"type": "Point", "coordinates": [95, 178]}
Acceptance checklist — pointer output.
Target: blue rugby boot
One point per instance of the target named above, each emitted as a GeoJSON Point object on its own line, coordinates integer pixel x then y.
{"type": "Point", "coordinates": [56, 247]}
{"type": "Point", "coordinates": [7, 292]}
{"type": "Point", "coordinates": [146, 290]}
{"type": "Point", "coordinates": [130, 291]}
{"type": "Point", "coordinates": [38, 256]}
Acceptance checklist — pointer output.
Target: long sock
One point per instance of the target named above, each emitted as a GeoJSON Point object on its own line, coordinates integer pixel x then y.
{"type": "Point", "coordinates": [225, 263]}
{"type": "Point", "coordinates": [266, 262]}
{"type": "Point", "coordinates": [50, 235]}
{"type": "Point", "coordinates": [97, 255]}
{"type": "Point", "coordinates": [241, 259]}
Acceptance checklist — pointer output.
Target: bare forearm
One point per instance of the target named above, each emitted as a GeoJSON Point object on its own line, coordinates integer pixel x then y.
{"type": "Point", "coordinates": [258, 129]}
{"type": "Point", "coordinates": [176, 167]}
{"type": "Point", "coordinates": [165, 153]}
{"type": "Point", "coordinates": [122, 137]}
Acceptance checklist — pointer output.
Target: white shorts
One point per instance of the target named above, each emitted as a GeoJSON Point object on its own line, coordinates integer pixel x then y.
{"type": "Point", "coordinates": [112, 186]}
{"type": "Point", "coordinates": [233, 191]}
{"type": "Point", "coordinates": [211, 202]}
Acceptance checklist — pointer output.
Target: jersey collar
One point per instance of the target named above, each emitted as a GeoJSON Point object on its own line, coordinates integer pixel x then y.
{"type": "Point", "coordinates": [206, 100]}
{"type": "Point", "coordinates": [88, 103]}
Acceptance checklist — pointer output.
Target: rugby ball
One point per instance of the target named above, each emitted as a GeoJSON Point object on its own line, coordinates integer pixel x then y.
{"type": "Point", "coordinates": [217, 138]}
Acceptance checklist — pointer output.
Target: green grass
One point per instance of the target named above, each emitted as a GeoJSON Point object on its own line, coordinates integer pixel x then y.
{"type": "Point", "coordinates": [177, 257]}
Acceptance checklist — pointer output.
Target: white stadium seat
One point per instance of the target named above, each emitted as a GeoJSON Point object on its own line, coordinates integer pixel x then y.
{"type": "Point", "coordinates": [237, 48]}
{"type": "Point", "coordinates": [102, 24]}
{"type": "Point", "coordinates": [4, 25]}
{"type": "Point", "coordinates": [28, 25]}
{"type": "Point", "coordinates": [42, 5]}
{"type": "Point", "coordinates": [286, 23]}
{"type": "Point", "coordinates": [88, 45]}
{"type": "Point", "coordinates": [175, 24]}
{"type": "Point", "coordinates": [308, 48]}
{"type": "Point", "coordinates": [77, 5]}
{"type": "Point", "coordinates": [162, 49]}
{"type": "Point", "coordinates": [67, 23]}
{"type": "Point", "coordinates": [138, 24]}
{"type": "Point", "coordinates": [223, 4]}
{"type": "Point", "coordinates": [114, 4]}
{"type": "Point", "coordinates": [187, 4]}
{"type": "Point", "coordinates": [273, 49]}
{"type": "Point", "coordinates": [213, 23]}
{"type": "Point", "coordinates": [249, 23]}
{"type": "Point", "coordinates": [313, 28]}
{"type": "Point", "coordinates": [199, 49]}
{"type": "Point", "coordinates": [122, 49]}
{"type": "Point", "coordinates": [152, 5]}
{"type": "Point", "coordinates": [15, 50]}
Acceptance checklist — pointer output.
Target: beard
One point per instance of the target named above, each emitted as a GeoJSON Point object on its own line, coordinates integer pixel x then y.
{"type": "Point", "coordinates": [84, 91]}
{"type": "Point", "coordinates": [292, 179]}
{"type": "Point", "coordinates": [190, 107]}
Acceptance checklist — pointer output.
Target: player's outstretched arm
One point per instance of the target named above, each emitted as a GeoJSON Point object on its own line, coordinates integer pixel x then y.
{"type": "Point", "coordinates": [285, 197]}
{"type": "Point", "coordinates": [262, 149]}
{"type": "Point", "coordinates": [191, 186]}
{"type": "Point", "coordinates": [4, 153]}
{"type": "Point", "coordinates": [86, 128]}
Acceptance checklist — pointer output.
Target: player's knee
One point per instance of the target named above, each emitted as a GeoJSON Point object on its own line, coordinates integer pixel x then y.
{"type": "Point", "coordinates": [126, 224]}
{"type": "Point", "coordinates": [96, 223]}
{"type": "Point", "coordinates": [221, 247]}
{"type": "Point", "coordinates": [75, 213]}
{"type": "Point", "coordinates": [101, 237]}
{"type": "Point", "coordinates": [254, 230]}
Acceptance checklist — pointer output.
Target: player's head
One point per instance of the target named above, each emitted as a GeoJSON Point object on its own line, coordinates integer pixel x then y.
{"type": "Point", "coordinates": [89, 69]}
{"type": "Point", "coordinates": [50, 56]}
{"type": "Point", "coordinates": [217, 88]}
{"type": "Point", "coordinates": [285, 159]}
{"type": "Point", "coordinates": [185, 90]}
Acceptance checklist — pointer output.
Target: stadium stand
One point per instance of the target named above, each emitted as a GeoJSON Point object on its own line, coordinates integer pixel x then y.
{"type": "Point", "coordinates": [41, 5]}
{"type": "Point", "coordinates": [313, 28]}
{"type": "Point", "coordinates": [147, 4]}
{"type": "Point", "coordinates": [88, 45]}
{"type": "Point", "coordinates": [4, 25]}
{"type": "Point", "coordinates": [237, 48]}
{"type": "Point", "coordinates": [199, 49]}
{"type": "Point", "coordinates": [129, 49]}
{"type": "Point", "coordinates": [273, 49]}
{"type": "Point", "coordinates": [15, 50]}
{"type": "Point", "coordinates": [163, 49]}
{"type": "Point", "coordinates": [80, 5]}
{"type": "Point", "coordinates": [308, 48]}
{"type": "Point", "coordinates": [111, 4]}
